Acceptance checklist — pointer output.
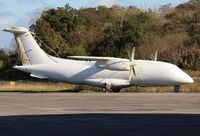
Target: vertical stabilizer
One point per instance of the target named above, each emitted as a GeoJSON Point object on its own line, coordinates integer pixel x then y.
{"type": "Point", "coordinates": [29, 51]}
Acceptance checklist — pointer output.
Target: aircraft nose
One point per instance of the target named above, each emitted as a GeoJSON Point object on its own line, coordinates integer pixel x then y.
{"type": "Point", "coordinates": [189, 80]}
{"type": "Point", "coordinates": [184, 78]}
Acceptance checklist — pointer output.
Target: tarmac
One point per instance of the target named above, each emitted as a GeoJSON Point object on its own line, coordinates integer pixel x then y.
{"type": "Point", "coordinates": [99, 114]}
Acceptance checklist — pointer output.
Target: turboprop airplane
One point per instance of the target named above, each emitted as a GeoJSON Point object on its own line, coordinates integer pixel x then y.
{"type": "Point", "coordinates": [109, 73]}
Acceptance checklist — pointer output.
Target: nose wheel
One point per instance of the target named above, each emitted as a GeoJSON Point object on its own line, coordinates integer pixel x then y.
{"type": "Point", "coordinates": [177, 89]}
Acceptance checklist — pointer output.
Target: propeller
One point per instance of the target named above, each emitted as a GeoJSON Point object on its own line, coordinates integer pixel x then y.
{"type": "Point", "coordinates": [132, 64]}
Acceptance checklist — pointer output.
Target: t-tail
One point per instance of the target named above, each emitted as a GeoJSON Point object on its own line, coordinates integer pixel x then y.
{"type": "Point", "coordinates": [29, 51]}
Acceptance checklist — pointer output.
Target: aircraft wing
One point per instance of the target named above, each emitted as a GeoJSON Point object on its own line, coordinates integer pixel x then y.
{"type": "Point", "coordinates": [91, 58]}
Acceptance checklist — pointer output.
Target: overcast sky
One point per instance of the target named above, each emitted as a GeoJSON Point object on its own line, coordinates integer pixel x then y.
{"type": "Point", "coordinates": [24, 12]}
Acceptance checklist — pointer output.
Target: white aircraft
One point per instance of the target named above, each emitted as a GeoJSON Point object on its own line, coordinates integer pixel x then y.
{"type": "Point", "coordinates": [109, 73]}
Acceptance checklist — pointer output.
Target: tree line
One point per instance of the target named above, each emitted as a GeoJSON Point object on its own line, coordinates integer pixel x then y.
{"type": "Point", "coordinates": [172, 31]}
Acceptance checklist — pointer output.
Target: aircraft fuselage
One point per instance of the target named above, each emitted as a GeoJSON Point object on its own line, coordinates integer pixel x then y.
{"type": "Point", "coordinates": [148, 73]}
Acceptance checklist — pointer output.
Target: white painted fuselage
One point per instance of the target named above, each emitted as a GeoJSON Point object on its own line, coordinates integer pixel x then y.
{"type": "Point", "coordinates": [149, 73]}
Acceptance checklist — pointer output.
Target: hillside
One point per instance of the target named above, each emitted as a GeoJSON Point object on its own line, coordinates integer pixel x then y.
{"type": "Point", "coordinates": [102, 31]}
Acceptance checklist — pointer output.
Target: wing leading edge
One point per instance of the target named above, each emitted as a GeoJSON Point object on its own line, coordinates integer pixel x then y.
{"type": "Point", "coordinates": [91, 58]}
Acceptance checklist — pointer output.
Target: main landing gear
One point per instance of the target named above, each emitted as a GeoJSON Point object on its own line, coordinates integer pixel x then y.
{"type": "Point", "coordinates": [108, 88]}
{"type": "Point", "coordinates": [177, 89]}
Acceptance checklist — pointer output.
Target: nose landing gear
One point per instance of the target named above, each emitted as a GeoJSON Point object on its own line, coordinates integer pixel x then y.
{"type": "Point", "coordinates": [177, 89]}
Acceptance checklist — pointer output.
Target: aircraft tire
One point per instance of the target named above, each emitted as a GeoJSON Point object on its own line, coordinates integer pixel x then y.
{"type": "Point", "coordinates": [177, 89]}
{"type": "Point", "coordinates": [116, 90]}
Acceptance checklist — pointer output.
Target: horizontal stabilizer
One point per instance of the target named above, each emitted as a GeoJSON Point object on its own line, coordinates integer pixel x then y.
{"type": "Point", "coordinates": [30, 69]}
{"type": "Point", "coordinates": [16, 30]}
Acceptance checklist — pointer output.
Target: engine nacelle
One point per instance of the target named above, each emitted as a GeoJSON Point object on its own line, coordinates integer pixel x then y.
{"type": "Point", "coordinates": [114, 64]}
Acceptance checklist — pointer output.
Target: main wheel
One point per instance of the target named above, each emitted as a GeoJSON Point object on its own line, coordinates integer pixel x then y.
{"type": "Point", "coordinates": [116, 90]}
{"type": "Point", "coordinates": [107, 87]}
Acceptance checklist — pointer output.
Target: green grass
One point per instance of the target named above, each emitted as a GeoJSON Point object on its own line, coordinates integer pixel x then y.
{"type": "Point", "coordinates": [164, 89]}
{"type": "Point", "coordinates": [34, 87]}
{"type": "Point", "coordinates": [44, 87]}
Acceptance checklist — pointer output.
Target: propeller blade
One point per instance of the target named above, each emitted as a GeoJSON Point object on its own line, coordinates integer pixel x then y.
{"type": "Point", "coordinates": [132, 64]}
{"type": "Point", "coordinates": [156, 56]}
{"type": "Point", "coordinates": [133, 69]}
{"type": "Point", "coordinates": [133, 54]}
{"type": "Point", "coordinates": [131, 74]}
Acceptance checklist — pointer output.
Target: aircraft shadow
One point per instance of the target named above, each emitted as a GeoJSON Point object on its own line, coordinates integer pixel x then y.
{"type": "Point", "coordinates": [101, 125]}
